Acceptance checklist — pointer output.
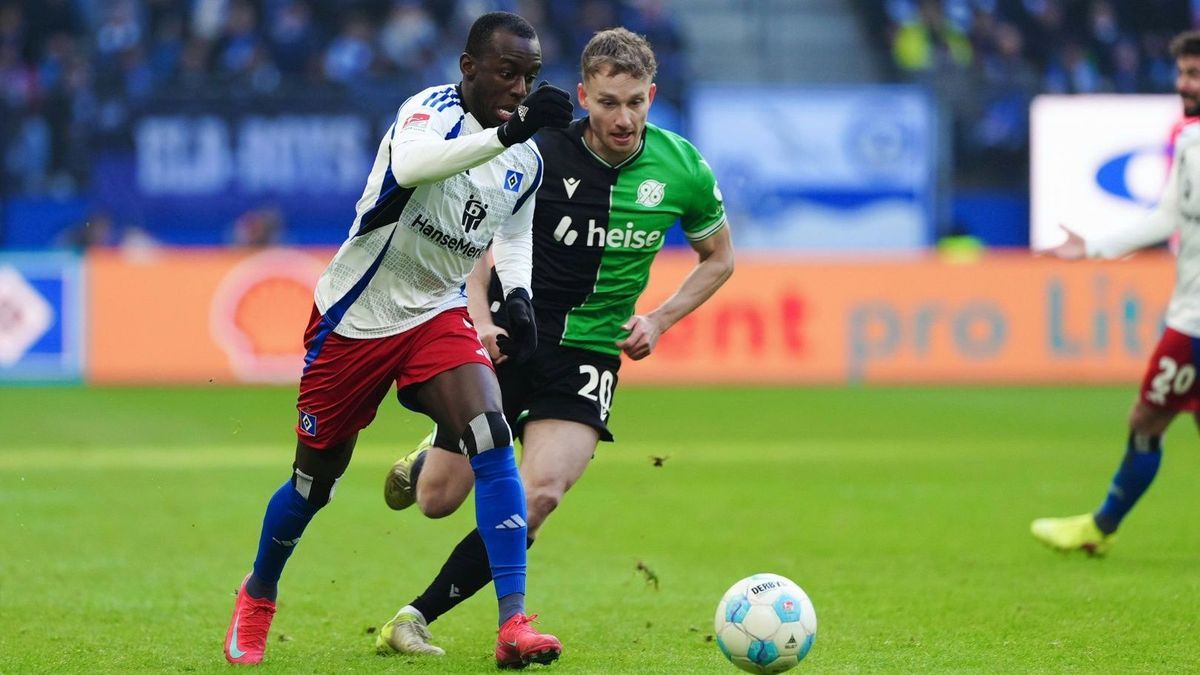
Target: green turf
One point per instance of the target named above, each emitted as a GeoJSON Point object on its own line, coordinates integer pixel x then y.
{"type": "Point", "coordinates": [129, 516]}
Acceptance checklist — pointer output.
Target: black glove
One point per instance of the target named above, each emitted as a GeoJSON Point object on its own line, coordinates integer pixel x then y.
{"type": "Point", "coordinates": [546, 106]}
{"type": "Point", "coordinates": [521, 340]}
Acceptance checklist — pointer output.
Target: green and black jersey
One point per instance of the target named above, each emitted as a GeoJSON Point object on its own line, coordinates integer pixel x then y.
{"type": "Point", "coordinates": [597, 228]}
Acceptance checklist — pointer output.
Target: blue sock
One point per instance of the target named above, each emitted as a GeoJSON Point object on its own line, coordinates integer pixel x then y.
{"type": "Point", "coordinates": [288, 513]}
{"type": "Point", "coordinates": [500, 516]}
{"type": "Point", "coordinates": [1142, 457]}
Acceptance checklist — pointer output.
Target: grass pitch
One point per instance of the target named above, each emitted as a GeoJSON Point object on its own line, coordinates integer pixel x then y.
{"type": "Point", "coordinates": [130, 515]}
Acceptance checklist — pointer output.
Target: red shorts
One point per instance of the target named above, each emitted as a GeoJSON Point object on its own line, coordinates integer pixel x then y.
{"type": "Point", "coordinates": [1170, 380]}
{"type": "Point", "coordinates": [347, 378]}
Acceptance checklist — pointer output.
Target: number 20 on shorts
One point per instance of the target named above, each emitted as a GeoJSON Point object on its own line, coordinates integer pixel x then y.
{"type": "Point", "coordinates": [1171, 379]}
{"type": "Point", "coordinates": [599, 387]}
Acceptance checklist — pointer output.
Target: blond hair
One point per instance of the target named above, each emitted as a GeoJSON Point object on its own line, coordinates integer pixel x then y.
{"type": "Point", "coordinates": [615, 51]}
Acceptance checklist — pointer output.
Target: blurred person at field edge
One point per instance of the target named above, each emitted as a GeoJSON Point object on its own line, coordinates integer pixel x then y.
{"type": "Point", "coordinates": [1169, 386]}
{"type": "Point", "coordinates": [97, 230]}
{"type": "Point", "coordinates": [455, 171]}
{"type": "Point", "coordinates": [614, 185]}
{"type": "Point", "coordinates": [259, 227]}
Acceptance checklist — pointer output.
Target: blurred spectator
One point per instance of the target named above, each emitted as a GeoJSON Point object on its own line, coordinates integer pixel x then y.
{"type": "Point", "coordinates": [28, 153]}
{"type": "Point", "coordinates": [591, 16]}
{"type": "Point", "coordinates": [166, 48]}
{"type": "Point", "coordinates": [70, 69]}
{"type": "Point", "coordinates": [258, 227]}
{"type": "Point", "coordinates": [137, 242]}
{"type": "Point", "coordinates": [926, 41]}
{"type": "Point", "coordinates": [1129, 76]}
{"type": "Point", "coordinates": [351, 53]}
{"type": "Point", "coordinates": [208, 17]}
{"type": "Point", "coordinates": [295, 38]}
{"type": "Point", "coordinates": [986, 59]}
{"type": "Point", "coordinates": [97, 230]}
{"type": "Point", "coordinates": [409, 37]}
{"type": "Point", "coordinates": [119, 31]}
{"type": "Point", "coordinates": [48, 20]}
{"type": "Point", "coordinates": [193, 64]}
{"type": "Point", "coordinates": [1073, 71]}
{"type": "Point", "coordinates": [1000, 131]}
{"type": "Point", "coordinates": [239, 39]}
{"type": "Point", "coordinates": [242, 55]}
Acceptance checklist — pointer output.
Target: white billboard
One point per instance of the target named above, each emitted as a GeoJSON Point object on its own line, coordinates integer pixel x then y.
{"type": "Point", "coordinates": [1097, 162]}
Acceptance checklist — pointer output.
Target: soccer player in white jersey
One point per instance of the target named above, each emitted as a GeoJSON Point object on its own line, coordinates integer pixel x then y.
{"type": "Point", "coordinates": [454, 172]}
{"type": "Point", "coordinates": [1169, 386]}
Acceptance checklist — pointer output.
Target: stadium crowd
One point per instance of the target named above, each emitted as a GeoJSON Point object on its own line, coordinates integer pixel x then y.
{"type": "Point", "coordinates": [987, 59]}
{"type": "Point", "coordinates": [70, 69]}
{"type": "Point", "coordinates": [73, 70]}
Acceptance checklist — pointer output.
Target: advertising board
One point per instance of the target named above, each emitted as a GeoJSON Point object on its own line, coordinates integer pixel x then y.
{"type": "Point", "coordinates": [1004, 319]}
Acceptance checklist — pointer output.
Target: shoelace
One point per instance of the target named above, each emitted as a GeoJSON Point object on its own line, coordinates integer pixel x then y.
{"type": "Point", "coordinates": [414, 627]}
{"type": "Point", "coordinates": [524, 621]}
{"type": "Point", "coordinates": [257, 621]}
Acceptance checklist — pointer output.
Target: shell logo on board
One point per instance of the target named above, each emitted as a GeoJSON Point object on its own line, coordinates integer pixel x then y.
{"type": "Point", "coordinates": [259, 295]}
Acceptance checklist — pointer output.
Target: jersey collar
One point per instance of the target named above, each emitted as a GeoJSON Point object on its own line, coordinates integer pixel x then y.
{"type": "Point", "coordinates": [580, 126]}
{"type": "Point", "coordinates": [471, 125]}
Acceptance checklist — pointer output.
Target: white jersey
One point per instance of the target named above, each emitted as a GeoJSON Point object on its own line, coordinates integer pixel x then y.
{"type": "Point", "coordinates": [1179, 209]}
{"type": "Point", "coordinates": [441, 189]}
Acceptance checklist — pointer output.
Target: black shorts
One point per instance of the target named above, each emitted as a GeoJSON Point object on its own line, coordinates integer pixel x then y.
{"type": "Point", "coordinates": [560, 383]}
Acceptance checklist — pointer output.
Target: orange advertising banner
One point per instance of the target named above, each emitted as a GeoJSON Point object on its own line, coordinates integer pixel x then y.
{"type": "Point", "coordinates": [195, 316]}
{"type": "Point", "coordinates": [1003, 318]}
{"type": "Point", "coordinates": [226, 317]}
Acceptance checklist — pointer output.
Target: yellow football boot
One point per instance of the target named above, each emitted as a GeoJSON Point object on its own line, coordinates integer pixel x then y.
{"type": "Point", "coordinates": [1073, 533]}
{"type": "Point", "coordinates": [400, 490]}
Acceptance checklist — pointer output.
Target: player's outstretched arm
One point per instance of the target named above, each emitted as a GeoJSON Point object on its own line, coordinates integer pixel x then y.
{"type": "Point", "coordinates": [1073, 248]}
{"type": "Point", "coordinates": [418, 159]}
{"type": "Point", "coordinates": [713, 269]}
{"type": "Point", "coordinates": [1154, 229]}
{"type": "Point", "coordinates": [421, 154]}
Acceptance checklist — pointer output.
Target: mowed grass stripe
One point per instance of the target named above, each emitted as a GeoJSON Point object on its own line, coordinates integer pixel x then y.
{"type": "Point", "coordinates": [664, 454]}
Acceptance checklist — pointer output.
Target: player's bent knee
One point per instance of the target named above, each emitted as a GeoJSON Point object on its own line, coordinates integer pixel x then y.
{"type": "Point", "coordinates": [1146, 421]}
{"type": "Point", "coordinates": [486, 431]}
{"type": "Point", "coordinates": [439, 501]}
{"type": "Point", "coordinates": [436, 508]}
{"type": "Point", "coordinates": [1145, 442]}
{"type": "Point", "coordinates": [540, 503]}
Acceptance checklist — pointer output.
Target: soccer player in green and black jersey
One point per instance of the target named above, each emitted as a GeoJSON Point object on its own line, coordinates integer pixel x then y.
{"type": "Point", "coordinates": [613, 186]}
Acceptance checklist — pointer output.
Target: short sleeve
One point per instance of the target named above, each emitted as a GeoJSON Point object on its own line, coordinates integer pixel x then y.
{"type": "Point", "coordinates": [705, 214]}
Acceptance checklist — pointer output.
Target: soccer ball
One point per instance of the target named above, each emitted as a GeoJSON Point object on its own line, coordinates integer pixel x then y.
{"type": "Point", "coordinates": [765, 624]}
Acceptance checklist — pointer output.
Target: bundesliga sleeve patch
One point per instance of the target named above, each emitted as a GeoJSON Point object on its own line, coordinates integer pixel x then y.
{"type": "Point", "coordinates": [416, 121]}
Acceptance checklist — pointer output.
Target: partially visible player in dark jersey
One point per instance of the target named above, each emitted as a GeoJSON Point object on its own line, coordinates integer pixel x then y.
{"type": "Point", "coordinates": [613, 186]}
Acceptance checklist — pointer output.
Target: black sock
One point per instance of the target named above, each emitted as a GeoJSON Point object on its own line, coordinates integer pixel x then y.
{"type": "Point", "coordinates": [464, 573]}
